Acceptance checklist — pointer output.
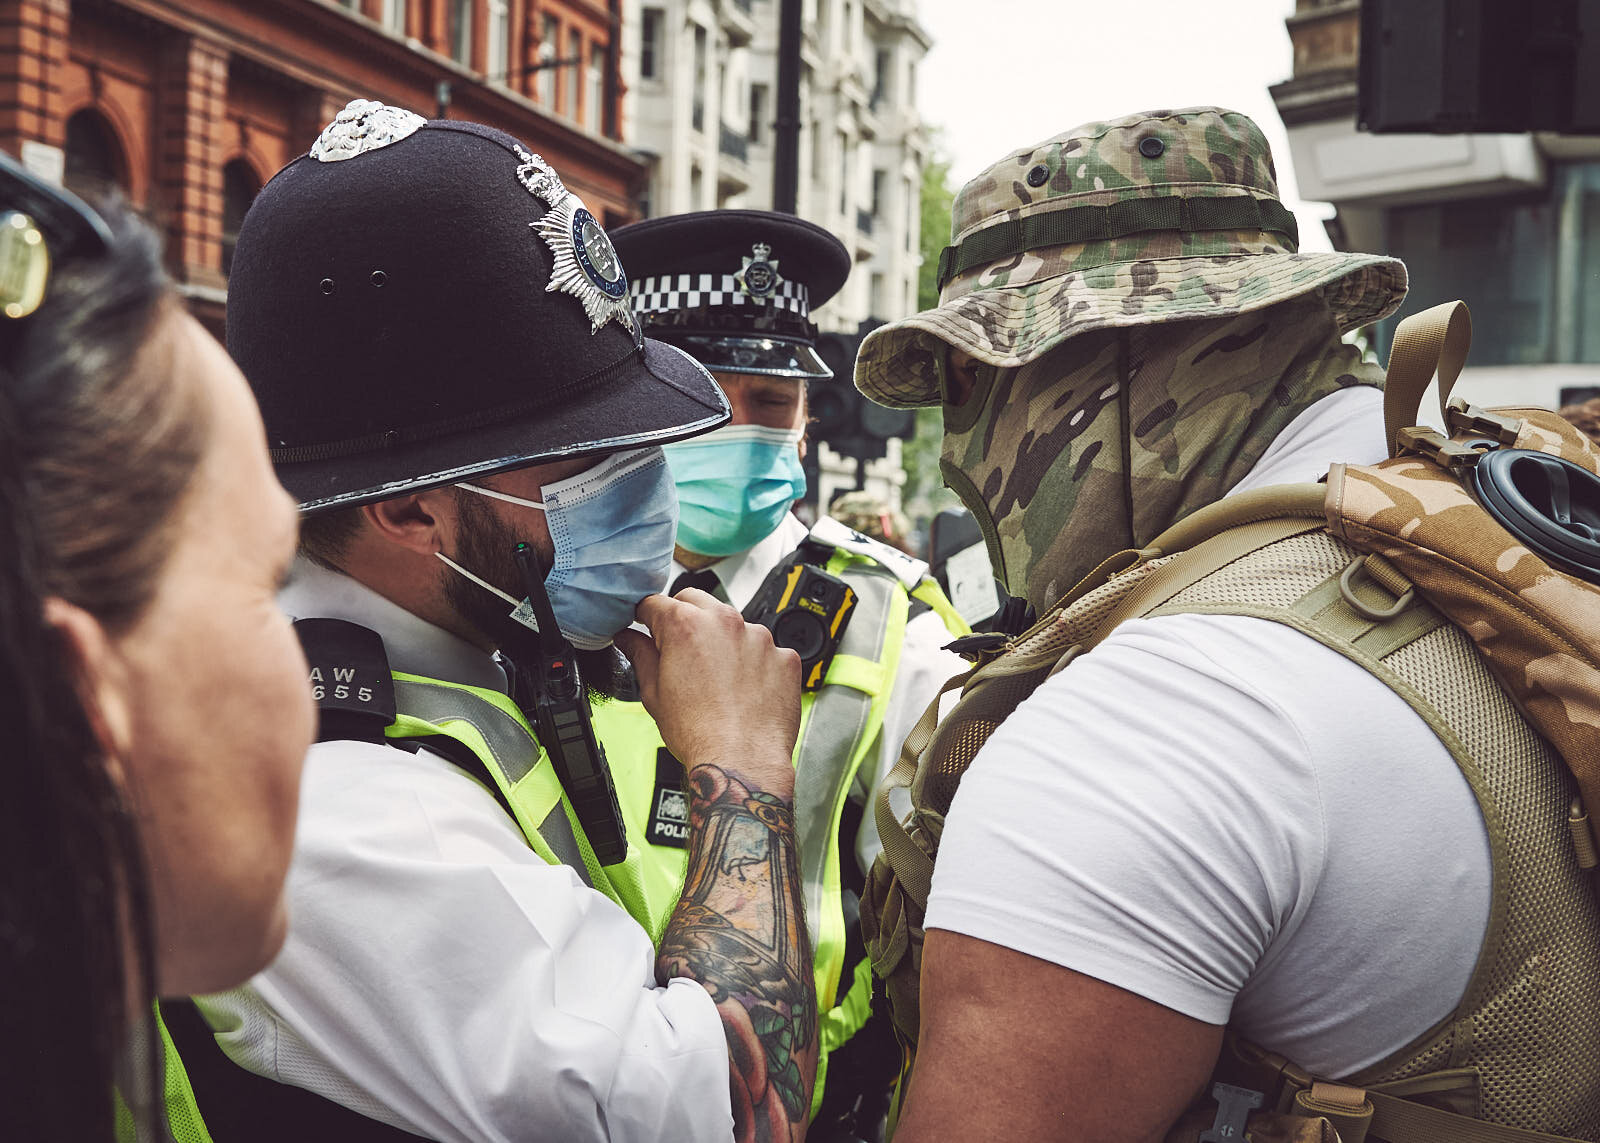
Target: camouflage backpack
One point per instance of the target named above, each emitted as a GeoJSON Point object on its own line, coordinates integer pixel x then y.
{"type": "Point", "coordinates": [1492, 637]}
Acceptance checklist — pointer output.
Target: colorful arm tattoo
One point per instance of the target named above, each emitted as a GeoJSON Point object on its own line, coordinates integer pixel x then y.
{"type": "Point", "coordinates": [739, 930]}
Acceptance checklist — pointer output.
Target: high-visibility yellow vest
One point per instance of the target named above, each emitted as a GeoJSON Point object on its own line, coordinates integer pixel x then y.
{"type": "Point", "coordinates": [491, 726]}
{"type": "Point", "coordinates": [839, 728]}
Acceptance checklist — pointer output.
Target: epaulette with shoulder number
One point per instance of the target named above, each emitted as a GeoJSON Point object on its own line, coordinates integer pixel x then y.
{"type": "Point", "coordinates": [350, 679]}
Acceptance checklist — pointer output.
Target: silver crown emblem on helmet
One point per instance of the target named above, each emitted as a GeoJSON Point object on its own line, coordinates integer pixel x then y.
{"type": "Point", "coordinates": [584, 264]}
{"type": "Point", "coordinates": [364, 125]}
{"type": "Point", "coordinates": [759, 277]}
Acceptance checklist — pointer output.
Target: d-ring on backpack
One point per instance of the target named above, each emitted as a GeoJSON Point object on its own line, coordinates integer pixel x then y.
{"type": "Point", "coordinates": [1462, 572]}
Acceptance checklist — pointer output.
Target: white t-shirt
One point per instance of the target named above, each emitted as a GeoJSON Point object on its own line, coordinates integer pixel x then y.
{"type": "Point", "coordinates": [1224, 816]}
{"type": "Point", "coordinates": [439, 976]}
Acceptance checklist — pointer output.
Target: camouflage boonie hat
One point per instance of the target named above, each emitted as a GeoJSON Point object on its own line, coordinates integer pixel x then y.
{"type": "Point", "coordinates": [1160, 216]}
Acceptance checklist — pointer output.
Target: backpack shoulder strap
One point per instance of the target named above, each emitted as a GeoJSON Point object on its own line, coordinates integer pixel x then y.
{"type": "Point", "coordinates": [1437, 339]}
{"type": "Point", "coordinates": [1221, 534]}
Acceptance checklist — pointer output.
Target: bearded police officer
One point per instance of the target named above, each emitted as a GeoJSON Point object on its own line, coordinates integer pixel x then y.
{"type": "Point", "coordinates": [461, 399]}
{"type": "Point", "coordinates": [735, 289]}
{"type": "Point", "coordinates": [1287, 804]}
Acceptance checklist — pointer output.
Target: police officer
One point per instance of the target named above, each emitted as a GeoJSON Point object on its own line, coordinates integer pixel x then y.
{"type": "Point", "coordinates": [735, 289]}
{"type": "Point", "coordinates": [458, 394]}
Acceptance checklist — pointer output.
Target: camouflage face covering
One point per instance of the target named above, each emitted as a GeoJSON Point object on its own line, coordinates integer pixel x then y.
{"type": "Point", "coordinates": [1157, 217]}
{"type": "Point", "coordinates": [1109, 439]}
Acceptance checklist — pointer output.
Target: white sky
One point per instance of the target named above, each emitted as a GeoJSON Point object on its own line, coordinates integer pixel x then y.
{"type": "Point", "coordinates": [1004, 74]}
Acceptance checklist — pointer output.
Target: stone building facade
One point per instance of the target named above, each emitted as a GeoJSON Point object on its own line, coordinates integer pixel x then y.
{"type": "Point", "coordinates": [189, 106]}
{"type": "Point", "coordinates": [1509, 223]}
{"type": "Point", "coordinates": [701, 78]}
{"type": "Point", "coordinates": [701, 89]}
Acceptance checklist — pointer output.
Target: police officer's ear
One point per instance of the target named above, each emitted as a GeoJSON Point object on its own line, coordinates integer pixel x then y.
{"type": "Point", "coordinates": [420, 522]}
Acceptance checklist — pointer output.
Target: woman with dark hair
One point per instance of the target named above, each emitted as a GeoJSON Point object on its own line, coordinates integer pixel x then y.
{"type": "Point", "coordinates": [155, 704]}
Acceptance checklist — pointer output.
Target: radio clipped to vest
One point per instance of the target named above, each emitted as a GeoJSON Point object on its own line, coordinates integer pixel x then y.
{"type": "Point", "coordinates": [805, 608]}
{"type": "Point", "coordinates": [550, 692]}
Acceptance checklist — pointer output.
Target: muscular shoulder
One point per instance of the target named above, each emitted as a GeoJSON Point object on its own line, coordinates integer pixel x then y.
{"type": "Point", "coordinates": [1164, 812]}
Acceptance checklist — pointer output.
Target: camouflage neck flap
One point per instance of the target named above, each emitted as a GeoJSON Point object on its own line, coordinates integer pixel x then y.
{"type": "Point", "coordinates": [1113, 436]}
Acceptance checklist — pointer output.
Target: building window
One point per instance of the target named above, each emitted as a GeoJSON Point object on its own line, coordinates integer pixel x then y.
{"type": "Point", "coordinates": [594, 98]}
{"type": "Point", "coordinates": [845, 164]}
{"type": "Point", "coordinates": [875, 303]}
{"type": "Point", "coordinates": [574, 70]}
{"type": "Point", "coordinates": [239, 189]}
{"type": "Point", "coordinates": [758, 113]}
{"type": "Point", "coordinates": [911, 216]}
{"type": "Point", "coordinates": [651, 44]}
{"type": "Point", "coordinates": [549, 37]}
{"type": "Point", "coordinates": [881, 63]}
{"type": "Point", "coordinates": [696, 187]}
{"type": "Point", "coordinates": [461, 31]}
{"type": "Point", "coordinates": [498, 66]}
{"type": "Point", "coordinates": [1506, 249]}
{"type": "Point", "coordinates": [94, 160]}
{"type": "Point", "coordinates": [698, 111]}
{"type": "Point", "coordinates": [880, 184]}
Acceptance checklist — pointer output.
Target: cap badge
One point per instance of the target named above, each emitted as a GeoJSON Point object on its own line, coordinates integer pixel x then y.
{"type": "Point", "coordinates": [364, 125]}
{"type": "Point", "coordinates": [584, 264]}
{"type": "Point", "coordinates": [541, 179]}
{"type": "Point", "coordinates": [759, 277]}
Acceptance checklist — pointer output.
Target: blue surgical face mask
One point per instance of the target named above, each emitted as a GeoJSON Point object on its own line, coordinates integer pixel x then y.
{"type": "Point", "coordinates": [613, 528]}
{"type": "Point", "coordinates": [735, 486]}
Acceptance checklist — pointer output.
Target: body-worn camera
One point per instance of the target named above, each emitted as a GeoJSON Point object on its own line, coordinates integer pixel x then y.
{"type": "Point", "coordinates": [807, 610]}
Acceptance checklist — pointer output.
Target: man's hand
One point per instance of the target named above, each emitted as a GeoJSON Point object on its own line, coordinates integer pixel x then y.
{"type": "Point", "coordinates": [727, 703]}
{"type": "Point", "coordinates": [720, 692]}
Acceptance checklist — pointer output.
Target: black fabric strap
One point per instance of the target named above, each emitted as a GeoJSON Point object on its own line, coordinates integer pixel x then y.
{"type": "Point", "coordinates": [1082, 224]}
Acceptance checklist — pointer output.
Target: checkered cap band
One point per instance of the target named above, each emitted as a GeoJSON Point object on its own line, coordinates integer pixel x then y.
{"type": "Point", "coordinates": [668, 292]}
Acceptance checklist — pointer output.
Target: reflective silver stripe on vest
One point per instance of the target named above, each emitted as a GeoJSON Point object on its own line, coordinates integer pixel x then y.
{"type": "Point", "coordinates": [515, 752]}
{"type": "Point", "coordinates": [833, 730]}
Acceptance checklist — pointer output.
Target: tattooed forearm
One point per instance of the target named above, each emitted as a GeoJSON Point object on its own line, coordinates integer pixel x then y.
{"type": "Point", "coordinates": [740, 931]}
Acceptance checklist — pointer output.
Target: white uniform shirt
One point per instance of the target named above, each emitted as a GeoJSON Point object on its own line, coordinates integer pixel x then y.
{"type": "Point", "coordinates": [924, 666]}
{"type": "Point", "coordinates": [439, 975]}
{"type": "Point", "coordinates": [1226, 817]}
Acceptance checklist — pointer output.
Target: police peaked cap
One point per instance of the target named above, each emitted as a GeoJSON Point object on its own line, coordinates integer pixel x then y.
{"type": "Point", "coordinates": [416, 304]}
{"type": "Point", "coordinates": [735, 288]}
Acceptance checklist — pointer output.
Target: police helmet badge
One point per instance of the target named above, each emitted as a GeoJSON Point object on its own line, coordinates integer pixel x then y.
{"type": "Point", "coordinates": [584, 263]}
{"type": "Point", "coordinates": [759, 277]}
{"type": "Point", "coordinates": [364, 125]}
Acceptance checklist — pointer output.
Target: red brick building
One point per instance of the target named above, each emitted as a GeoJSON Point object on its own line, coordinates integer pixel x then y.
{"type": "Point", "coordinates": [191, 105]}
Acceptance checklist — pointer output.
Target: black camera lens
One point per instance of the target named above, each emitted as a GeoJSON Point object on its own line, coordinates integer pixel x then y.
{"type": "Point", "coordinates": [802, 632]}
{"type": "Point", "coordinates": [818, 590]}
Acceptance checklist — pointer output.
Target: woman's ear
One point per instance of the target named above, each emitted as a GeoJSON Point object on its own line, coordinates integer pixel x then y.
{"type": "Point", "coordinates": [102, 678]}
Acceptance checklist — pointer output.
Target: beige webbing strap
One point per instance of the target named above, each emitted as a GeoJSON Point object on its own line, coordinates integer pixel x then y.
{"type": "Point", "coordinates": [1269, 503]}
{"type": "Point", "coordinates": [1403, 1121]}
{"type": "Point", "coordinates": [912, 867]}
{"type": "Point", "coordinates": [1435, 339]}
{"type": "Point", "coordinates": [1190, 567]}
